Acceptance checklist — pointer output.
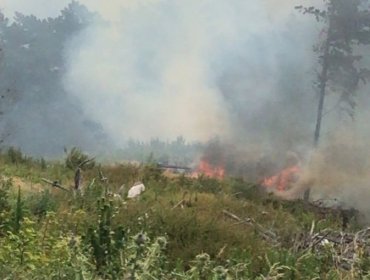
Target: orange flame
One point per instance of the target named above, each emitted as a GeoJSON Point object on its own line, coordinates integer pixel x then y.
{"type": "Point", "coordinates": [209, 170]}
{"type": "Point", "coordinates": [284, 179]}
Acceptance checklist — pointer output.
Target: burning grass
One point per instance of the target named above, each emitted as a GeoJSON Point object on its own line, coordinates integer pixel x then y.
{"type": "Point", "coordinates": [236, 223]}
{"type": "Point", "coordinates": [210, 170]}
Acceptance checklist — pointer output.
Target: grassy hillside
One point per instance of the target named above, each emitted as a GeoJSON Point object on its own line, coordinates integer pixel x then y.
{"type": "Point", "coordinates": [179, 228]}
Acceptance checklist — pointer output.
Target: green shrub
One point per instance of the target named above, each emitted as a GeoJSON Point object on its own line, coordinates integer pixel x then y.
{"type": "Point", "coordinates": [18, 212]}
{"type": "Point", "coordinates": [15, 156]}
{"type": "Point", "coordinates": [42, 203]}
{"type": "Point", "coordinates": [76, 158]}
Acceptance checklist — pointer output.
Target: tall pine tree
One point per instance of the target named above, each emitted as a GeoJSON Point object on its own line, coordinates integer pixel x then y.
{"type": "Point", "coordinates": [347, 29]}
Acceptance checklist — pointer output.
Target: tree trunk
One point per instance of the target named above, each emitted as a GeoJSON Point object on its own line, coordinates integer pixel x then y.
{"type": "Point", "coordinates": [323, 78]}
{"type": "Point", "coordinates": [323, 81]}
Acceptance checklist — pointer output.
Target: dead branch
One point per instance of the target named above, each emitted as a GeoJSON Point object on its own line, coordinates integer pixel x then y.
{"type": "Point", "coordinates": [233, 216]}
{"type": "Point", "coordinates": [181, 202]}
{"type": "Point", "coordinates": [265, 233]}
{"type": "Point", "coordinates": [345, 247]}
{"type": "Point", "coordinates": [55, 184]}
{"type": "Point", "coordinates": [85, 162]}
{"type": "Point", "coordinates": [102, 177]}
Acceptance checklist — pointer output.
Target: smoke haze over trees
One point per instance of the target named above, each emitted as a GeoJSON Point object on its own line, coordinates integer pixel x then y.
{"type": "Point", "coordinates": [38, 114]}
{"type": "Point", "coordinates": [98, 75]}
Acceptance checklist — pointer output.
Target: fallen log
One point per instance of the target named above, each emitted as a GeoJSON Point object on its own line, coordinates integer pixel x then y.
{"type": "Point", "coordinates": [180, 203]}
{"type": "Point", "coordinates": [55, 184]}
{"type": "Point", "coordinates": [176, 167]}
{"type": "Point", "coordinates": [265, 233]}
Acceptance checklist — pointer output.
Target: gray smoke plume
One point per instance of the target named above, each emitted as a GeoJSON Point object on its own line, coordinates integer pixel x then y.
{"type": "Point", "coordinates": [159, 69]}
{"type": "Point", "coordinates": [194, 68]}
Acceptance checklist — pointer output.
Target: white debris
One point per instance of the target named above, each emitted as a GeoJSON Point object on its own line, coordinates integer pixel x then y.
{"type": "Point", "coordinates": [325, 242]}
{"type": "Point", "coordinates": [136, 190]}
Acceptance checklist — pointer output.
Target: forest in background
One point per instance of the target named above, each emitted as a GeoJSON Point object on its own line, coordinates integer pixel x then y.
{"type": "Point", "coordinates": [37, 113]}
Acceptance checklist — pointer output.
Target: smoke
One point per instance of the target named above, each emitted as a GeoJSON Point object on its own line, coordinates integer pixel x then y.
{"type": "Point", "coordinates": [236, 70]}
{"type": "Point", "coordinates": [337, 173]}
{"type": "Point", "coordinates": [194, 68]}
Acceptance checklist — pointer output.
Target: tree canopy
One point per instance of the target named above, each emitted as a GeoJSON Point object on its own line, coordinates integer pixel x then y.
{"type": "Point", "coordinates": [32, 68]}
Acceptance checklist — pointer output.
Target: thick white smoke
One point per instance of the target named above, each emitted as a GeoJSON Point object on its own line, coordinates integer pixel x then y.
{"type": "Point", "coordinates": [155, 68]}
{"type": "Point", "coordinates": [152, 69]}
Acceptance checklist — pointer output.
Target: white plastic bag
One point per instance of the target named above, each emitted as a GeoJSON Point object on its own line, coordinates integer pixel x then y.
{"type": "Point", "coordinates": [136, 190]}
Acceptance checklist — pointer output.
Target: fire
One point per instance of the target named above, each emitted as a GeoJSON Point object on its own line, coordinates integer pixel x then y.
{"type": "Point", "coordinates": [209, 170]}
{"type": "Point", "coordinates": [283, 179]}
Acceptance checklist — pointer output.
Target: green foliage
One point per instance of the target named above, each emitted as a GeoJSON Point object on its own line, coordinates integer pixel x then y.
{"type": "Point", "coordinates": [18, 212]}
{"type": "Point", "coordinates": [242, 189]}
{"type": "Point", "coordinates": [42, 203]}
{"type": "Point", "coordinates": [207, 184]}
{"type": "Point", "coordinates": [347, 31]}
{"type": "Point", "coordinates": [43, 164]}
{"type": "Point", "coordinates": [5, 186]}
{"type": "Point", "coordinates": [39, 252]}
{"type": "Point", "coordinates": [105, 240]}
{"type": "Point", "coordinates": [76, 158]}
{"type": "Point", "coordinates": [151, 172]}
{"type": "Point", "coordinates": [5, 207]}
{"type": "Point", "coordinates": [175, 230]}
{"type": "Point", "coordinates": [15, 156]}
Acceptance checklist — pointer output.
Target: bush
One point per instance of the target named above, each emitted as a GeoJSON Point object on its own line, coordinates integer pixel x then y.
{"type": "Point", "coordinates": [15, 156]}
{"type": "Point", "coordinates": [76, 158]}
{"type": "Point", "coordinates": [41, 204]}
